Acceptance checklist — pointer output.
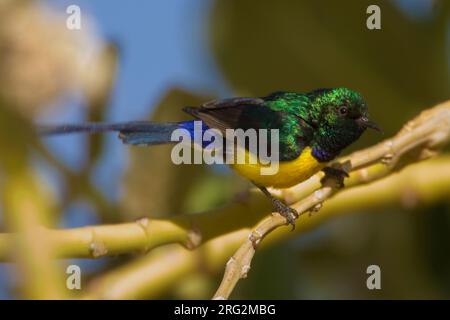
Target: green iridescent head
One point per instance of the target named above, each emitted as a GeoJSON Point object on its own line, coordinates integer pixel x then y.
{"type": "Point", "coordinates": [340, 116]}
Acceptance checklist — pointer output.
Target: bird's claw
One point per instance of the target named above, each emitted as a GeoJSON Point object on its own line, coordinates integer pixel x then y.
{"type": "Point", "coordinates": [337, 174]}
{"type": "Point", "coordinates": [290, 214]}
{"type": "Point", "coordinates": [279, 206]}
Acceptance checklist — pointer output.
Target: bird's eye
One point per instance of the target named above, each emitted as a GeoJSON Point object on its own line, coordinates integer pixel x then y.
{"type": "Point", "coordinates": [343, 110]}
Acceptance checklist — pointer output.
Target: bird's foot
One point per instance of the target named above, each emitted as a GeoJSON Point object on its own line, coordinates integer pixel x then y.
{"type": "Point", "coordinates": [279, 206]}
{"type": "Point", "coordinates": [335, 174]}
{"type": "Point", "coordinates": [287, 212]}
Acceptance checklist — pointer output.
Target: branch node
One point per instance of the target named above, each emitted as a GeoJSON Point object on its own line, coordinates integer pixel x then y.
{"type": "Point", "coordinates": [389, 144]}
{"type": "Point", "coordinates": [255, 237]}
{"type": "Point", "coordinates": [230, 261]}
{"type": "Point", "coordinates": [97, 247]}
{"type": "Point", "coordinates": [315, 208]}
{"type": "Point", "coordinates": [319, 195]}
{"type": "Point", "coordinates": [409, 126]}
{"type": "Point", "coordinates": [194, 238]}
{"type": "Point", "coordinates": [143, 223]}
{"type": "Point", "coordinates": [427, 153]}
{"type": "Point", "coordinates": [387, 158]}
{"type": "Point", "coordinates": [364, 174]}
{"type": "Point", "coordinates": [244, 271]}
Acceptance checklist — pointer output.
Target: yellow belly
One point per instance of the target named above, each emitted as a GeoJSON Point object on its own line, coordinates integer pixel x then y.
{"type": "Point", "coordinates": [289, 172]}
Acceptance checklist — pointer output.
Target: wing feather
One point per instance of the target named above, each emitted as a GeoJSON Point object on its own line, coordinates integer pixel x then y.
{"type": "Point", "coordinates": [224, 114]}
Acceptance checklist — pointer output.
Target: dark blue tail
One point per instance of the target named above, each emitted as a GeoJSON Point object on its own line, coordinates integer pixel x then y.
{"type": "Point", "coordinates": [152, 134]}
{"type": "Point", "coordinates": [135, 133]}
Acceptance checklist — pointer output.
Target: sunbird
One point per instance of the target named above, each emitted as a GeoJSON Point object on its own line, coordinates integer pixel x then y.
{"type": "Point", "coordinates": [313, 129]}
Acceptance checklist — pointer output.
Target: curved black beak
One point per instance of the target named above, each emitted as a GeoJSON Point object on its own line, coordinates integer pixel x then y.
{"type": "Point", "coordinates": [366, 123]}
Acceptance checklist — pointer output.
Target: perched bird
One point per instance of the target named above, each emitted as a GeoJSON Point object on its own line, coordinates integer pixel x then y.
{"type": "Point", "coordinates": [314, 128]}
